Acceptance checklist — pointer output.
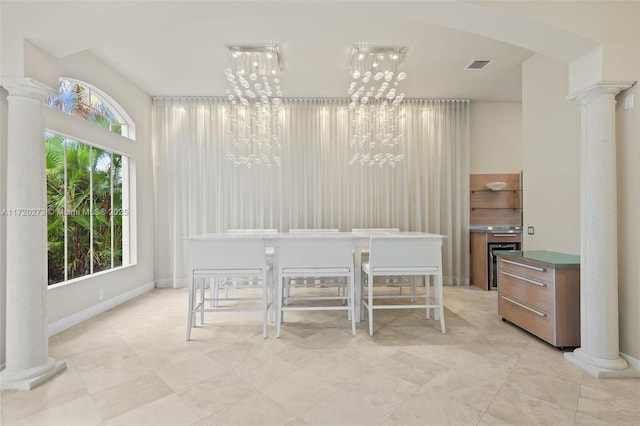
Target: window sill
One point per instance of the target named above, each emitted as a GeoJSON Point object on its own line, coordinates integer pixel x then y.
{"type": "Point", "coordinates": [86, 277]}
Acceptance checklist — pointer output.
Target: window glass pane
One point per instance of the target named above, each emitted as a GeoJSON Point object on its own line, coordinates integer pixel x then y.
{"type": "Point", "coordinates": [78, 209]}
{"type": "Point", "coordinates": [86, 208]}
{"type": "Point", "coordinates": [101, 166]}
{"type": "Point", "coordinates": [119, 211]}
{"type": "Point", "coordinates": [82, 102]}
{"type": "Point", "coordinates": [55, 203]}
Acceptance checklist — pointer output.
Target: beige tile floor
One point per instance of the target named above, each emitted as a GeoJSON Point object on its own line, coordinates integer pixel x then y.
{"type": "Point", "coordinates": [132, 366]}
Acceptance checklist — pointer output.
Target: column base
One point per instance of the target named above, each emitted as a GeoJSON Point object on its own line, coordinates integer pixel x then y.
{"type": "Point", "coordinates": [29, 379]}
{"type": "Point", "coordinates": [601, 368]}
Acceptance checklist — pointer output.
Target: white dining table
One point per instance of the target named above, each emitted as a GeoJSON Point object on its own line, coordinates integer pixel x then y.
{"type": "Point", "coordinates": [359, 240]}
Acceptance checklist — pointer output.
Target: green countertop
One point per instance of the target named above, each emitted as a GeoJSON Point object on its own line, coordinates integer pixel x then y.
{"type": "Point", "coordinates": [543, 256]}
{"type": "Point", "coordinates": [496, 228]}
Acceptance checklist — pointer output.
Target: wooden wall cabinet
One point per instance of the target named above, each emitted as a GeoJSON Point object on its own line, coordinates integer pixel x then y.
{"type": "Point", "coordinates": [489, 207]}
{"type": "Point", "coordinates": [539, 291]}
{"type": "Point", "coordinates": [494, 217]}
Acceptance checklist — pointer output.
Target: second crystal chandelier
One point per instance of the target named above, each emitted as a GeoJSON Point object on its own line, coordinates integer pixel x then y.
{"type": "Point", "coordinates": [375, 99]}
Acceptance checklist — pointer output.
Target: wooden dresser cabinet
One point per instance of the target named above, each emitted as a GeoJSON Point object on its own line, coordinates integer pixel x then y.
{"type": "Point", "coordinates": [540, 292]}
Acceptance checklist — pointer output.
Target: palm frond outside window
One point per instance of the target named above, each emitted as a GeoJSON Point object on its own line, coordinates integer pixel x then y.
{"type": "Point", "coordinates": [87, 222]}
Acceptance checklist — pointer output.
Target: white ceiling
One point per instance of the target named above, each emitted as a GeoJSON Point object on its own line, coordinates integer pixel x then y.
{"type": "Point", "coordinates": [177, 48]}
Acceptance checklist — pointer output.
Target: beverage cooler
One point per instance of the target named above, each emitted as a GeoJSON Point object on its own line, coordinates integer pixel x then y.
{"type": "Point", "coordinates": [484, 241]}
{"type": "Point", "coordinates": [492, 261]}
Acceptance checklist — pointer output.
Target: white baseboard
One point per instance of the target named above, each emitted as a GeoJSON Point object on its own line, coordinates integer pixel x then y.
{"type": "Point", "coordinates": [633, 362]}
{"type": "Point", "coordinates": [164, 283]}
{"type": "Point", "coordinates": [79, 317]}
{"type": "Point", "coordinates": [170, 283]}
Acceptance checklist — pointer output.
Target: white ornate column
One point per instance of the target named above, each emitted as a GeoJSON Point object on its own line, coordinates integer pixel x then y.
{"type": "Point", "coordinates": [599, 353]}
{"type": "Point", "coordinates": [27, 361]}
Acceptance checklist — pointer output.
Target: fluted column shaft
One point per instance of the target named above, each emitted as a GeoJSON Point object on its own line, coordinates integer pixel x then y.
{"type": "Point", "coordinates": [27, 361]}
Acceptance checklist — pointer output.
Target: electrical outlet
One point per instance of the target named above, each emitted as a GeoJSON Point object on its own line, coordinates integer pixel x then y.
{"type": "Point", "coordinates": [628, 101]}
{"type": "Point", "coordinates": [100, 294]}
{"type": "Point", "coordinates": [530, 230]}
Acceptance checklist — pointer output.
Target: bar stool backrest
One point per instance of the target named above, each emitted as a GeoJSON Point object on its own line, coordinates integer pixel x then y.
{"type": "Point", "coordinates": [309, 253]}
{"type": "Point", "coordinates": [404, 254]}
{"type": "Point", "coordinates": [241, 254]}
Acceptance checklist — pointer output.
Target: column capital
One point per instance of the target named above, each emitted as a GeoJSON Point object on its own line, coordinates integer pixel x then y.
{"type": "Point", "coordinates": [590, 93]}
{"type": "Point", "coordinates": [28, 88]}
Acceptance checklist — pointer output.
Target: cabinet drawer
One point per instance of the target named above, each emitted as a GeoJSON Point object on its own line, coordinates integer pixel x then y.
{"type": "Point", "coordinates": [538, 272]}
{"type": "Point", "coordinates": [535, 292]}
{"type": "Point", "coordinates": [504, 237]}
{"type": "Point", "coordinates": [533, 320]}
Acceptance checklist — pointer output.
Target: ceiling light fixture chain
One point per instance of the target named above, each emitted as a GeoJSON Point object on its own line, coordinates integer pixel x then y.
{"type": "Point", "coordinates": [255, 106]}
{"type": "Point", "coordinates": [376, 115]}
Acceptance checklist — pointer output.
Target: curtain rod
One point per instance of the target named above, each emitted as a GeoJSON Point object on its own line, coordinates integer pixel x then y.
{"type": "Point", "coordinates": [223, 98]}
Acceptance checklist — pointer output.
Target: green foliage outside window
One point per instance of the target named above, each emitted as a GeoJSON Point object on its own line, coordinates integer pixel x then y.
{"type": "Point", "coordinates": [84, 193]}
{"type": "Point", "coordinates": [91, 203]}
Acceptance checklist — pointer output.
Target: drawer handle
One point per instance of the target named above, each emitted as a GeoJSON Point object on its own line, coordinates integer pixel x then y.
{"type": "Point", "coordinates": [524, 265]}
{"type": "Point", "coordinates": [538, 283]}
{"type": "Point", "coordinates": [505, 235]}
{"type": "Point", "coordinates": [541, 314]}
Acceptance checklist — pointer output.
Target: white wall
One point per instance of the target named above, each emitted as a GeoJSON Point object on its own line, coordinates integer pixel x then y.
{"type": "Point", "coordinates": [611, 24]}
{"type": "Point", "coordinates": [496, 137]}
{"type": "Point", "coordinates": [76, 297]}
{"type": "Point", "coordinates": [550, 157]}
{"type": "Point", "coordinates": [628, 149]}
{"type": "Point", "coordinates": [3, 220]}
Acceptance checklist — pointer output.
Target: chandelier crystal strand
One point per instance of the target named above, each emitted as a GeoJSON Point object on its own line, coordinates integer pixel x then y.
{"type": "Point", "coordinates": [255, 107]}
{"type": "Point", "coordinates": [375, 106]}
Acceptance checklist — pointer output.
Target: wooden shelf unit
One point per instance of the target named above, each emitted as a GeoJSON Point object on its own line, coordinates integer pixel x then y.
{"type": "Point", "coordinates": [489, 207]}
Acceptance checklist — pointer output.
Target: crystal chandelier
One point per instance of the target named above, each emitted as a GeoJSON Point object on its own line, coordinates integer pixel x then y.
{"type": "Point", "coordinates": [374, 106]}
{"type": "Point", "coordinates": [254, 112]}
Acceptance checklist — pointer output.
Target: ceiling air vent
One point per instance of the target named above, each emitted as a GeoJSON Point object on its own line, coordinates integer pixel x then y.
{"type": "Point", "coordinates": [478, 64]}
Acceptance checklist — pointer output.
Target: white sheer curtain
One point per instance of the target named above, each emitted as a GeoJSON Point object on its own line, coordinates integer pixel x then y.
{"type": "Point", "coordinates": [198, 190]}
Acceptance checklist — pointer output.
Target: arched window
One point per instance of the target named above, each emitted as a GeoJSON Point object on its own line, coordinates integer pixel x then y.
{"type": "Point", "coordinates": [89, 103]}
{"type": "Point", "coordinates": [88, 193]}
